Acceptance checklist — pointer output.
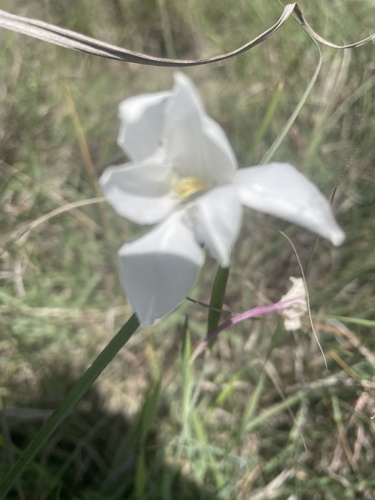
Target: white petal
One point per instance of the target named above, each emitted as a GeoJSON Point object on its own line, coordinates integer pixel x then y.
{"type": "Point", "coordinates": [280, 190]}
{"type": "Point", "coordinates": [142, 121]}
{"type": "Point", "coordinates": [216, 219]}
{"type": "Point", "coordinates": [140, 191]}
{"type": "Point", "coordinates": [158, 270]}
{"type": "Point", "coordinates": [196, 144]}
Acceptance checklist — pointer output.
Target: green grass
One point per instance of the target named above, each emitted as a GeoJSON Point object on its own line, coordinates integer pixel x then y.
{"type": "Point", "coordinates": [258, 416]}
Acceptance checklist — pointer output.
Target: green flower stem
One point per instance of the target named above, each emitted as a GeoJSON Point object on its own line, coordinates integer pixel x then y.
{"type": "Point", "coordinates": [217, 298]}
{"type": "Point", "coordinates": [75, 394]}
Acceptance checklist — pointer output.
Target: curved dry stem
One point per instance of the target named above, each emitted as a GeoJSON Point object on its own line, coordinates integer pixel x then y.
{"type": "Point", "coordinates": [76, 41]}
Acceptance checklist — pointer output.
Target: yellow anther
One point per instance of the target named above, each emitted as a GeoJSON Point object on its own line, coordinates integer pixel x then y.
{"type": "Point", "coordinates": [185, 187]}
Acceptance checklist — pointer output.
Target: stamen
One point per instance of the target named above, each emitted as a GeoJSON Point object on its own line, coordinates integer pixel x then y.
{"type": "Point", "coordinates": [186, 187]}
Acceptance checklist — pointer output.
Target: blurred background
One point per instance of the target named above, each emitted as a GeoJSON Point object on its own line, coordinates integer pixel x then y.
{"type": "Point", "coordinates": [259, 416]}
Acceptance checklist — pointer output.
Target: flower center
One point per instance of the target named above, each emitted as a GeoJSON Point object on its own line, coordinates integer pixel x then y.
{"type": "Point", "coordinates": [186, 187]}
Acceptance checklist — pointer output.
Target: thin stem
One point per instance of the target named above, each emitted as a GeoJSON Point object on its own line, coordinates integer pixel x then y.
{"type": "Point", "coordinates": [279, 139]}
{"type": "Point", "coordinates": [217, 298]}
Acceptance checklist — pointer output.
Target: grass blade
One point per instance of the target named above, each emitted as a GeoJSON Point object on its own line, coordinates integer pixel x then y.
{"type": "Point", "coordinates": [75, 394]}
{"type": "Point", "coordinates": [279, 139]}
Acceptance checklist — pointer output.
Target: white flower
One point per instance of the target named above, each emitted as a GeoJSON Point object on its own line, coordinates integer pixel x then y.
{"type": "Point", "coordinates": [298, 304]}
{"type": "Point", "coordinates": [183, 176]}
